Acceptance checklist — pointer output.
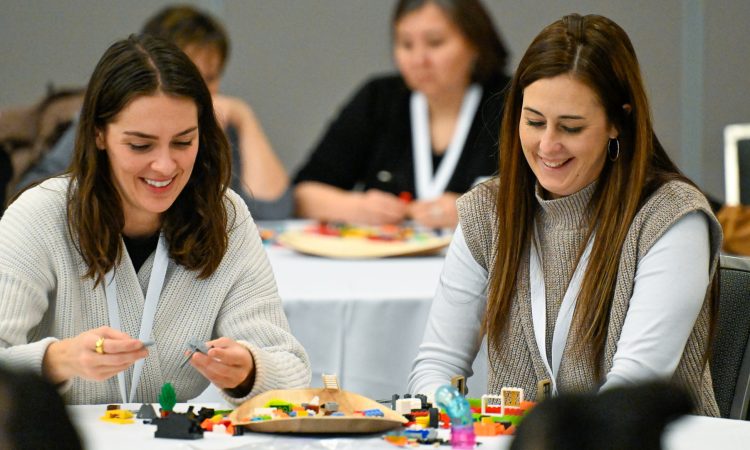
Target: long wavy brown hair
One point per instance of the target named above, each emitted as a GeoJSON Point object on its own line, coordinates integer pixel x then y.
{"type": "Point", "coordinates": [195, 226]}
{"type": "Point", "coordinates": [597, 52]}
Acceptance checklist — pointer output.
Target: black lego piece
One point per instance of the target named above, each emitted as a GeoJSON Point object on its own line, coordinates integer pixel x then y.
{"type": "Point", "coordinates": [434, 418]}
{"type": "Point", "coordinates": [178, 426]}
{"type": "Point", "coordinates": [423, 399]}
{"type": "Point", "coordinates": [205, 413]}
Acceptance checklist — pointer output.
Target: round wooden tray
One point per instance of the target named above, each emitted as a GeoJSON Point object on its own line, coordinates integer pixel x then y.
{"type": "Point", "coordinates": [359, 248]}
{"type": "Point", "coordinates": [348, 403]}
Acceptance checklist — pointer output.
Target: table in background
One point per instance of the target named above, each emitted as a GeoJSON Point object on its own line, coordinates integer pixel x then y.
{"type": "Point", "coordinates": [362, 320]}
{"type": "Point", "coordinates": [688, 433]}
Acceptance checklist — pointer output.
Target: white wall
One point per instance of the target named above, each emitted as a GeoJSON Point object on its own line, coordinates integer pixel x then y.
{"type": "Point", "coordinates": [296, 61]}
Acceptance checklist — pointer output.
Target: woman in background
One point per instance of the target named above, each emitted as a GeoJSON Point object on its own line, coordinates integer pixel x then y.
{"type": "Point", "coordinates": [257, 176]}
{"type": "Point", "coordinates": [428, 133]}
{"type": "Point", "coordinates": [587, 263]}
{"type": "Point", "coordinates": [142, 240]}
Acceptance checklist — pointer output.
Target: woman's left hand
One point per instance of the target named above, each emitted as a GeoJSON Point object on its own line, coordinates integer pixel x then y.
{"type": "Point", "coordinates": [228, 364]}
{"type": "Point", "coordinates": [438, 213]}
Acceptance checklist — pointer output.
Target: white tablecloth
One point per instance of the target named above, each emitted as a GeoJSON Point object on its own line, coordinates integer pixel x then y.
{"type": "Point", "coordinates": [100, 435]}
{"type": "Point", "coordinates": [361, 319]}
{"type": "Point", "coordinates": [688, 433]}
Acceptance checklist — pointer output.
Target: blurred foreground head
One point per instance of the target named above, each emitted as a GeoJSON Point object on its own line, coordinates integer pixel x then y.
{"type": "Point", "coordinates": [621, 418]}
{"type": "Point", "coordinates": [33, 415]}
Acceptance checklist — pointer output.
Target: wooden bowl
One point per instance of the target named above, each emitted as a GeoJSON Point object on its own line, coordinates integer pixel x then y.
{"type": "Point", "coordinates": [359, 248]}
{"type": "Point", "coordinates": [348, 403]}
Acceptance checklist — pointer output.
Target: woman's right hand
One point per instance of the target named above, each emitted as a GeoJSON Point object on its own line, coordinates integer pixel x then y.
{"type": "Point", "coordinates": [78, 357]}
{"type": "Point", "coordinates": [328, 203]}
{"type": "Point", "coordinates": [377, 207]}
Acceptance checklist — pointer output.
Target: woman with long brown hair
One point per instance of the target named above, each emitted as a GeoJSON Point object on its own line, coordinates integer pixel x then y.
{"type": "Point", "coordinates": [143, 241]}
{"type": "Point", "coordinates": [587, 263]}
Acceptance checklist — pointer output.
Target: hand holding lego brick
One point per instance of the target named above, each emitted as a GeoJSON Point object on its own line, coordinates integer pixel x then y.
{"type": "Point", "coordinates": [437, 213]}
{"type": "Point", "coordinates": [92, 355]}
{"type": "Point", "coordinates": [227, 364]}
{"type": "Point", "coordinates": [378, 207]}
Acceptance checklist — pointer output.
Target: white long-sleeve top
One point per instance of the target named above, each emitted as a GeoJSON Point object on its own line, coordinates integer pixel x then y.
{"type": "Point", "coordinates": [670, 286]}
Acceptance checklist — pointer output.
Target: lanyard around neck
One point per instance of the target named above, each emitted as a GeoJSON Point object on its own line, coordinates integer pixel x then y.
{"type": "Point", "coordinates": [155, 285]}
{"type": "Point", "coordinates": [539, 306]}
{"type": "Point", "coordinates": [429, 187]}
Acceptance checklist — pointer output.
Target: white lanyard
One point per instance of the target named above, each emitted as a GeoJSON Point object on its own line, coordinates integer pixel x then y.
{"type": "Point", "coordinates": [427, 186]}
{"type": "Point", "coordinates": [539, 306]}
{"type": "Point", "coordinates": [155, 284]}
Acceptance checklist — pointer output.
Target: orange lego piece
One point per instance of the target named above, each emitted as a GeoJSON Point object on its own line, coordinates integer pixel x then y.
{"type": "Point", "coordinates": [488, 428]}
{"type": "Point", "coordinates": [400, 441]}
{"type": "Point", "coordinates": [526, 405]}
{"type": "Point", "coordinates": [207, 424]}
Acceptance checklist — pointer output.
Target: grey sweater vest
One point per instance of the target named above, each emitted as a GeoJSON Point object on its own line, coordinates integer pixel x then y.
{"type": "Point", "coordinates": [562, 228]}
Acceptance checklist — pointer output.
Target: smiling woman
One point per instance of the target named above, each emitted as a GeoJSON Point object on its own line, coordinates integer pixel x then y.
{"type": "Point", "coordinates": [152, 145]}
{"type": "Point", "coordinates": [587, 263]}
{"type": "Point", "coordinates": [141, 242]}
{"type": "Point", "coordinates": [564, 131]}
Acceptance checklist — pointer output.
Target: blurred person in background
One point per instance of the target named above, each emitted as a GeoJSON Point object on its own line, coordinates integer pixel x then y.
{"type": "Point", "coordinates": [428, 133]}
{"type": "Point", "coordinates": [257, 174]}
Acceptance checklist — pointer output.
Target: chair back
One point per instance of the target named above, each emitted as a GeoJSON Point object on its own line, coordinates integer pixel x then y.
{"type": "Point", "coordinates": [6, 174]}
{"type": "Point", "coordinates": [737, 164]}
{"type": "Point", "coordinates": [730, 359]}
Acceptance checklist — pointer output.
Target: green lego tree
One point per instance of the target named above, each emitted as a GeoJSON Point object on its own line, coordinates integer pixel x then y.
{"type": "Point", "coordinates": [167, 398]}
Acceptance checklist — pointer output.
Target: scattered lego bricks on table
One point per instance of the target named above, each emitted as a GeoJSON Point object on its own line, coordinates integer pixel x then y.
{"type": "Point", "coordinates": [281, 409]}
{"type": "Point", "coordinates": [388, 233]}
{"type": "Point", "coordinates": [269, 236]}
{"type": "Point", "coordinates": [174, 425]}
{"type": "Point", "coordinates": [114, 414]}
{"type": "Point", "coordinates": [489, 419]}
{"type": "Point", "coordinates": [192, 426]}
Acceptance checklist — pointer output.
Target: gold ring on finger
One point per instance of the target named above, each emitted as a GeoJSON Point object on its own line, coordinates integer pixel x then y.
{"type": "Point", "coordinates": [99, 347]}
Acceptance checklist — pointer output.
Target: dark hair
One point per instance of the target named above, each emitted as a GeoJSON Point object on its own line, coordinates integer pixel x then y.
{"type": "Point", "coordinates": [184, 25]}
{"type": "Point", "coordinates": [476, 25]}
{"type": "Point", "coordinates": [597, 52]}
{"type": "Point", "coordinates": [195, 226]}
{"type": "Point", "coordinates": [27, 391]}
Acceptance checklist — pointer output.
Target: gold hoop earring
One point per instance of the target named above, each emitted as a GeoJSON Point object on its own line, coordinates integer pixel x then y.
{"type": "Point", "coordinates": [616, 151]}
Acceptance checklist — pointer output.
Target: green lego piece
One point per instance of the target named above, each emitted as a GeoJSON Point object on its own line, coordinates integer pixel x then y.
{"type": "Point", "coordinates": [167, 397]}
{"type": "Point", "coordinates": [279, 404]}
